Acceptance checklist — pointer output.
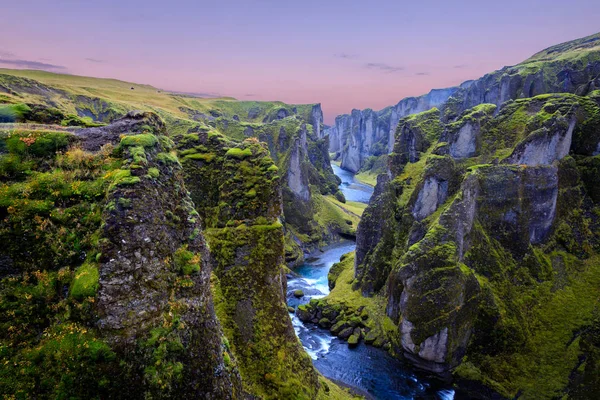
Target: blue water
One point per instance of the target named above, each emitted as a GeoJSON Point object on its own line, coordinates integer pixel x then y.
{"type": "Point", "coordinates": [367, 368]}
{"type": "Point", "coordinates": [352, 189]}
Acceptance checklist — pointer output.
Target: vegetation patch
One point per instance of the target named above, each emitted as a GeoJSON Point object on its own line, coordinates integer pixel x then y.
{"type": "Point", "coordinates": [85, 281]}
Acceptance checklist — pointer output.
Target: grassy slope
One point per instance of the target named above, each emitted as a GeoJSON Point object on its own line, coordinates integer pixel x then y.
{"type": "Point", "coordinates": [367, 178]}
{"type": "Point", "coordinates": [354, 208]}
{"type": "Point", "coordinates": [142, 97]}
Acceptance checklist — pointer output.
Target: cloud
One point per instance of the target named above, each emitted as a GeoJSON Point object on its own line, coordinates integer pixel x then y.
{"type": "Point", "coordinates": [32, 64]}
{"type": "Point", "coordinates": [384, 67]}
{"type": "Point", "coordinates": [460, 66]}
{"type": "Point", "coordinates": [345, 56]}
{"type": "Point", "coordinates": [422, 73]}
{"type": "Point", "coordinates": [6, 54]}
{"type": "Point", "coordinates": [94, 60]}
{"type": "Point", "coordinates": [249, 95]}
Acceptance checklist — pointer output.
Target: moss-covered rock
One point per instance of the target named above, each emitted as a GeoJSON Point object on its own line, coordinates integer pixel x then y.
{"type": "Point", "coordinates": [462, 271]}
{"type": "Point", "coordinates": [113, 271]}
{"type": "Point", "coordinates": [247, 245]}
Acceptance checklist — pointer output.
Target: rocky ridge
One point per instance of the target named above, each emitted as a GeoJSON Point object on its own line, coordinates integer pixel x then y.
{"type": "Point", "coordinates": [571, 67]}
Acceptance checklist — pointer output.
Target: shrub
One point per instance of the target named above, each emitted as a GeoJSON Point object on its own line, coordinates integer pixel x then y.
{"type": "Point", "coordinates": [13, 112]}
{"type": "Point", "coordinates": [37, 144]}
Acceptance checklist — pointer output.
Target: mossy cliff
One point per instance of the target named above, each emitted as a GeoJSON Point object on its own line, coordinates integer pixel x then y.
{"type": "Point", "coordinates": [293, 134]}
{"type": "Point", "coordinates": [483, 236]}
{"type": "Point", "coordinates": [571, 67]}
{"type": "Point", "coordinates": [294, 142]}
{"type": "Point", "coordinates": [105, 272]}
{"type": "Point", "coordinates": [237, 192]}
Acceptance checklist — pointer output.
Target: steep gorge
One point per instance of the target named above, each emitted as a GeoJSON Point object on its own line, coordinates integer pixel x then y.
{"type": "Point", "coordinates": [144, 252]}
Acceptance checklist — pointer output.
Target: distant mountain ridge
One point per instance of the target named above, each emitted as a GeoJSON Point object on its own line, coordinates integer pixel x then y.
{"type": "Point", "coordinates": [570, 67]}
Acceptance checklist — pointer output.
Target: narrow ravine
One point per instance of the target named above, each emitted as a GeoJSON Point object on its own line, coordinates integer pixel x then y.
{"type": "Point", "coordinates": [370, 370]}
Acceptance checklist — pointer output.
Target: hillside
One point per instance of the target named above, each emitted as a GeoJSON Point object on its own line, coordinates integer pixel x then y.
{"type": "Point", "coordinates": [292, 132]}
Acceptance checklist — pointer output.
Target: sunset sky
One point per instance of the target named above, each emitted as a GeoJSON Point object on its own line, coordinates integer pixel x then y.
{"type": "Point", "coordinates": [343, 54]}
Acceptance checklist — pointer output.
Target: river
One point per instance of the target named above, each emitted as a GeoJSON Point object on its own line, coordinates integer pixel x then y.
{"type": "Point", "coordinates": [368, 369]}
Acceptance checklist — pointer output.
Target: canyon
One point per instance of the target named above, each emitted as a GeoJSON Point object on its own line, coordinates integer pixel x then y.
{"type": "Point", "coordinates": [163, 245]}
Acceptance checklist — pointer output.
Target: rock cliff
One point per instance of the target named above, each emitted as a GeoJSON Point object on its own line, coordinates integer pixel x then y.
{"type": "Point", "coordinates": [366, 133]}
{"type": "Point", "coordinates": [572, 67]}
{"type": "Point", "coordinates": [489, 227]}
{"type": "Point", "coordinates": [114, 242]}
{"type": "Point", "coordinates": [237, 192]}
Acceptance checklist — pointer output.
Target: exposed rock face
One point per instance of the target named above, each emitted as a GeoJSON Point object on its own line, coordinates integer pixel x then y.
{"type": "Point", "coordinates": [368, 133]}
{"type": "Point", "coordinates": [138, 290]}
{"type": "Point", "coordinates": [316, 120]}
{"type": "Point", "coordinates": [475, 209]}
{"type": "Point", "coordinates": [465, 143]}
{"type": "Point", "coordinates": [297, 178]}
{"type": "Point", "coordinates": [134, 122]}
{"type": "Point", "coordinates": [526, 80]}
{"type": "Point", "coordinates": [414, 105]}
{"type": "Point", "coordinates": [372, 234]}
{"type": "Point", "coordinates": [528, 199]}
{"type": "Point", "coordinates": [431, 196]}
{"type": "Point", "coordinates": [415, 136]}
{"type": "Point", "coordinates": [545, 146]}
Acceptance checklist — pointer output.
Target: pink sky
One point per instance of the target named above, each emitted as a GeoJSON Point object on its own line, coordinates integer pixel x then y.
{"type": "Point", "coordinates": [343, 54]}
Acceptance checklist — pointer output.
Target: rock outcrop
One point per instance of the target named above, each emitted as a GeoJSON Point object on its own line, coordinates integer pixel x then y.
{"type": "Point", "coordinates": [237, 192]}
{"type": "Point", "coordinates": [135, 317]}
{"type": "Point", "coordinates": [479, 210]}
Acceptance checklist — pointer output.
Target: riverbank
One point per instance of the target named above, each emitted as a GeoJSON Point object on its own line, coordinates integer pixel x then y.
{"type": "Point", "coordinates": [369, 371]}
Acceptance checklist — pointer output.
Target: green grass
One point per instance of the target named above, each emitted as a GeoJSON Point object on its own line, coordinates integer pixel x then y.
{"type": "Point", "coordinates": [329, 215]}
{"type": "Point", "coordinates": [176, 109]}
{"type": "Point", "coordinates": [367, 178]}
{"type": "Point", "coordinates": [354, 207]}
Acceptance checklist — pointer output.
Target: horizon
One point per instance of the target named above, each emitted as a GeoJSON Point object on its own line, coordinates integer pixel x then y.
{"type": "Point", "coordinates": [277, 55]}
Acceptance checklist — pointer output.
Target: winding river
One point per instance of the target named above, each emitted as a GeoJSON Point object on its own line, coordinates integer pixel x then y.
{"type": "Point", "coordinates": [371, 371]}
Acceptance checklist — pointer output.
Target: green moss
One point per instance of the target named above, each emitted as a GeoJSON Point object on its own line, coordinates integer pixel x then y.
{"type": "Point", "coordinates": [143, 140]}
{"type": "Point", "coordinates": [121, 177]}
{"type": "Point", "coordinates": [85, 283]}
{"type": "Point", "coordinates": [208, 157]}
{"type": "Point", "coordinates": [238, 153]}
{"type": "Point", "coordinates": [186, 261]}
{"type": "Point", "coordinates": [168, 158]}
{"type": "Point", "coordinates": [353, 340]}
{"type": "Point", "coordinates": [138, 154]}
{"type": "Point", "coordinates": [153, 172]}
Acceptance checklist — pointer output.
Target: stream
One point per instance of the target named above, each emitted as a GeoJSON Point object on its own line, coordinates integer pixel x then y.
{"type": "Point", "coordinates": [371, 371]}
